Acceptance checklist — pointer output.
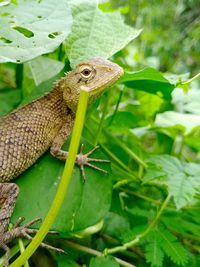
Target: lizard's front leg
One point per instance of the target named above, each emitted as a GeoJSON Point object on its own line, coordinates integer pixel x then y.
{"type": "Point", "coordinates": [81, 159]}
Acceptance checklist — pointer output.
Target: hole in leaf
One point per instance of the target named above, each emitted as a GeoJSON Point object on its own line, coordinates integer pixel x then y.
{"type": "Point", "coordinates": [53, 35]}
{"type": "Point", "coordinates": [24, 31]}
{"type": "Point", "coordinates": [5, 40]}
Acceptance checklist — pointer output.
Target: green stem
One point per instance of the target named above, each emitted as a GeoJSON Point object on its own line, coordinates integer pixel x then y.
{"type": "Point", "coordinates": [128, 150]}
{"type": "Point", "coordinates": [178, 145]}
{"type": "Point", "coordinates": [64, 183]}
{"type": "Point", "coordinates": [116, 159]}
{"type": "Point", "coordinates": [148, 199]}
{"type": "Point", "coordinates": [13, 251]}
{"type": "Point", "coordinates": [117, 106]}
{"type": "Point", "coordinates": [192, 79]}
{"type": "Point", "coordinates": [129, 173]}
{"type": "Point", "coordinates": [22, 248]}
{"type": "Point", "coordinates": [19, 75]}
{"type": "Point", "coordinates": [101, 121]}
{"type": "Point", "coordinates": [139, 236]}
{"type": "Point", "coordinates": [95, 252]}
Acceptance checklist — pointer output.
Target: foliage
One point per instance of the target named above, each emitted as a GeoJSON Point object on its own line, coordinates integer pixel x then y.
{"type": "Point", "coordinates": [146, 211]}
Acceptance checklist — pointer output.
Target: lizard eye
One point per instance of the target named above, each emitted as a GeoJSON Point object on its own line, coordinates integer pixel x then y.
{"type": "Point", "coordinates": [86, 72]}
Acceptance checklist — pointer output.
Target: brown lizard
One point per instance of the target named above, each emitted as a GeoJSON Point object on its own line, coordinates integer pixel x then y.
{"type": "Point", "coordinates": [29, 131]}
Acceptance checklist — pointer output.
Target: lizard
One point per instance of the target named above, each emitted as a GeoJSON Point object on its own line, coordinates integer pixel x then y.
{"type": "Point", "coordinates": [29, 131]}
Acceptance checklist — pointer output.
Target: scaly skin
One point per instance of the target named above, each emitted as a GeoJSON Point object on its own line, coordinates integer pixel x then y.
{"type": "Point", "coordinates": [26, 133]}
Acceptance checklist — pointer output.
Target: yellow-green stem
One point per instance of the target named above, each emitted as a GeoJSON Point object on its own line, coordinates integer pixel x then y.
{"type": "Point", "coordinates": [64, 183]}
{"type": "Point", "coordinates": [22, 248]}
{"type": "Point", "coordinates": [101, 121]}
{"type": "Point", "coordinates": [143, 234]}
{"type": "Point", "coordinates": [192, 79]}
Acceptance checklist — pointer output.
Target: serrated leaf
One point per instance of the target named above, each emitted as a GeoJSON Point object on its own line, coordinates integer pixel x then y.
{"type": "Point", "coordinates": [183, 188]}
{"type": "Point", "coordinates": [149, 80]}
{"type": "Point", "coordinates": [25, 35]}
{"type": "Point", "coordinates": [181, 178]}
{"type": "Point", "coordinates": [96, 33]}
{"type": "Point", "coordinates": [172, 247]}
{"type": "Point", "coordinates": [154, 254]}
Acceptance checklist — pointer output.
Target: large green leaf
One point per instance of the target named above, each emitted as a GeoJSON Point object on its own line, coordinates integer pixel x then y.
{"type": "Point", "coordinates": [9, 99]}
{"type": "Point", "coordinates": [38, 186]}
{"type": "Point", "coordinates": [32, 28]}
{"type": "Point", "coordinates": [149, 80]}
{"type": "Point", "coordinates": [35, 73]}
{"type": "Point", "coordinates": [96, 33]}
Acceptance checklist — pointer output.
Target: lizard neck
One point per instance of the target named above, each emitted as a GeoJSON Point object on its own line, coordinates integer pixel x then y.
{"type": "Point", "coordinates": [70, 96]}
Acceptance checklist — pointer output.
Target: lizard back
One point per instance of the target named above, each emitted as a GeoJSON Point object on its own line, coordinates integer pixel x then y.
{"type": "Point", "coordinates": [26, 133]}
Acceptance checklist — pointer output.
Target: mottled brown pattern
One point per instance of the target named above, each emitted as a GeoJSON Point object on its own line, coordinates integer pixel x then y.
{"type": "Point", "coordinates": [28, 132]}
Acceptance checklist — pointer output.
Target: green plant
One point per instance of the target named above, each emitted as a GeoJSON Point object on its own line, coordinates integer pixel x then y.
{"type": "Point", "coordinates": [146, 211]}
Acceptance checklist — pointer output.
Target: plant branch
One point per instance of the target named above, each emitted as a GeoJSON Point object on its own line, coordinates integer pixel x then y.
{"type": "Point", "coordinates": [139, 236]}
{"type": "Point", "coordinates": [95, 252]}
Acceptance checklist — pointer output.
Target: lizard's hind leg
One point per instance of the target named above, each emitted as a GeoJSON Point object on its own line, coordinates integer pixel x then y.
{"type": "Point", "coordinates": [8, 196]}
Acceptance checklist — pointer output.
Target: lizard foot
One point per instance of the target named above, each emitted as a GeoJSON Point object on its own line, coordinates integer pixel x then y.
{"type": "Point", "coordinates": [84, 160]}
{"type": "Point", "coordinates": [23, 232]}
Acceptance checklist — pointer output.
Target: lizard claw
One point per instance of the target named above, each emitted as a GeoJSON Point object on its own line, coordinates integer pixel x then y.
{"type": "Point", "coordinates": [83, 160]}
{"type": "Point", "coordinates": [24, 232]}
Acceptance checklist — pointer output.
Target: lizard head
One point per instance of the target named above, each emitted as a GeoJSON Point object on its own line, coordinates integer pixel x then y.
{"type": "Point", "coordinates": [95, 75]}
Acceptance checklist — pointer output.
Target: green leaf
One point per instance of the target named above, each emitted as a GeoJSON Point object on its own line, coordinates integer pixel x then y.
{"type": "Point", "coordinates": [183, 188]}
{"type": "Point", "coordinates": [149, 80]}
{"type": "Point", "coordinates": [116, 225]}
{"type": "Point", "coordinates": [187, 102]}
{"type": "Point", "coordinates": [65, 261]}
{"type": "Point", "coordinates": [25, 35]}
{"type": "Point", "coordinates": [181, 178]}
{"type": "Point", "coordinates": [35, 72]}
{"type": "Point", "coordinates": [153, 251]}
{"type": "Point", "coordinates": [103, 262]}
{"type": "Point", "coordinates": [9, 99]}
{"type": "Point", "coordinates": [150, 104]}
{"type": "Point", "coordinates": [186, 122]}
{"type": "Point", "coordinates": [121, 122]}
{"type": "Point", "coordinates": [95, 33]}
{"type": "Point", "coordinates": [38, 186]}
{"type": "Point", "coordinates": [172, 247]}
